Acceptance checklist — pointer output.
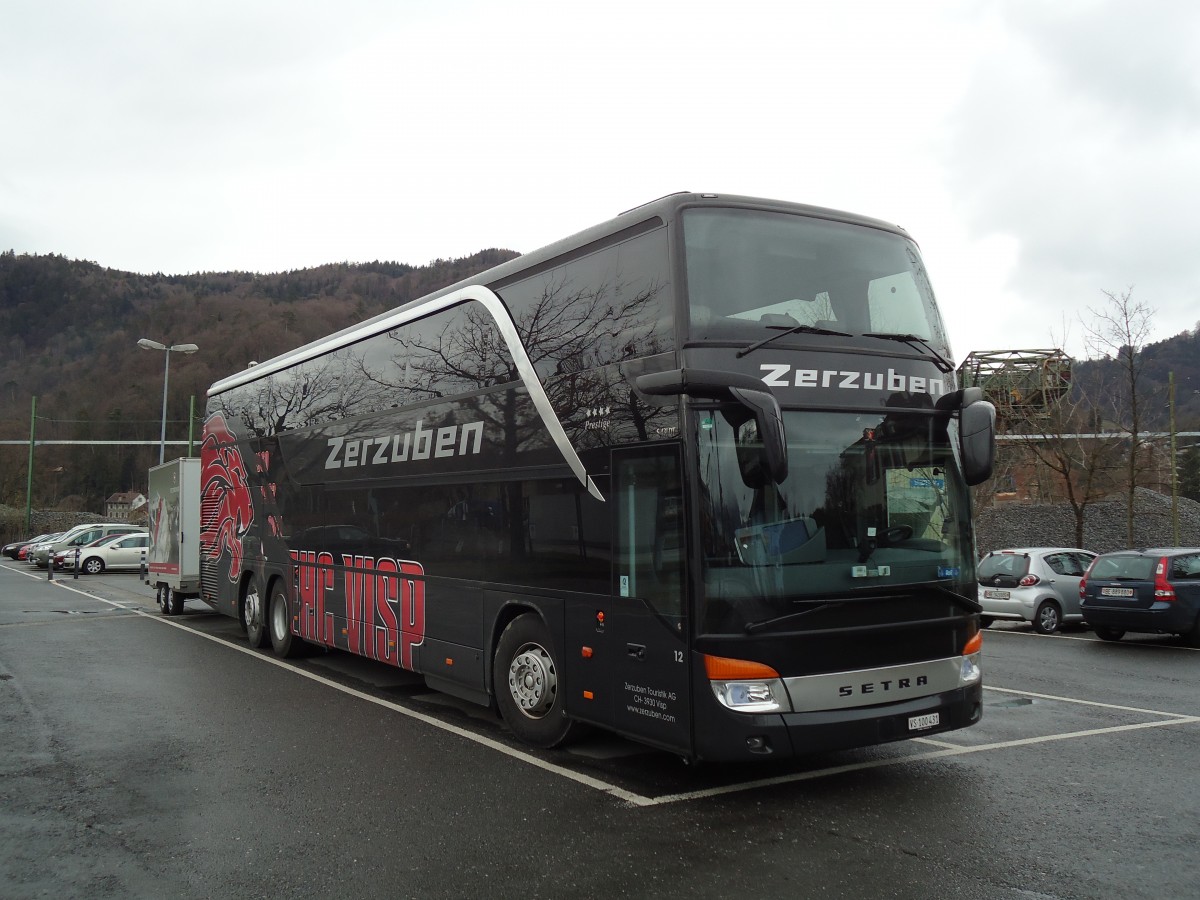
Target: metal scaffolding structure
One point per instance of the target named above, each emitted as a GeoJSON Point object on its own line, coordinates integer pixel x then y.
{"type": "Point", "coordinates": [1021, 383]}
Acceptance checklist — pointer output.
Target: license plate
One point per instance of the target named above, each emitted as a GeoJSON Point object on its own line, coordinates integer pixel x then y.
{"type": "Point", "coordinates": [920, 723]}
{"type": "Point", "coordinates": [996, 595]}
{"type": "Point", "coordinates": [1116, 592]}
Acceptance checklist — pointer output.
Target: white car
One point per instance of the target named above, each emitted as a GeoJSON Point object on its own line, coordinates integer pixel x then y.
{"type": "Point", "coordinates": [120, 551]}
{"type": "Point", "coordinates": [80, 536]}
{"type": "Point", "coordinates": [1033, 584]}
{"type": "Point", "coordinates": [64, 557]}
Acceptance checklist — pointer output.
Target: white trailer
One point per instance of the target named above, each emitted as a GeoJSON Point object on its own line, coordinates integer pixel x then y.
{"type": "Point", "coordinates": [173, 560]}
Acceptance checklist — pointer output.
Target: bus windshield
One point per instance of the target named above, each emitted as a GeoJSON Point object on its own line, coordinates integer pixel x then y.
{"type": "Point", "coordinates": [872, 502]}
{"type": "Point", "coordinates": [750, 272]}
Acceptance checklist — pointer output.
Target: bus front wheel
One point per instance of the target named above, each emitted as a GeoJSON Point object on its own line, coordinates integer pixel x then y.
{"type": "Point", "coordinates": [526, 679]}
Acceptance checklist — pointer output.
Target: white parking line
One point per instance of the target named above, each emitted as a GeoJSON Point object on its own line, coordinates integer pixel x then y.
{"type": "Point", "coordinates": [931, 742]}
{"type": "Point", "coordinates": [880, 763]}
{"type": "Point", "coordinates": [947, 750]}
{"type": "Point", "coordinates": [586, 780]}
{"type": "Point", "coordinates": [1134, 709]}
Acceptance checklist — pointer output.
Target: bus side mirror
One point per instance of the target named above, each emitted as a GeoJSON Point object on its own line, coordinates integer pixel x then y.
{"type": "Point", "coordinates": [977, 435]}
{"type": "Point", "coordinates": [747, 390]}
{"type": "Point", "coordinates": [769, 420]}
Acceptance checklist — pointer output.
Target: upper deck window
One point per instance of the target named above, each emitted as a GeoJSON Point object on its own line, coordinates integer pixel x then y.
{"type": "Point", "coordinates": [751, 271]}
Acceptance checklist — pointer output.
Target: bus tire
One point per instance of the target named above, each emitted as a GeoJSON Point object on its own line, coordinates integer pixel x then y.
{"type": "Point", "coordinates": [285, 644]}
{"type": "Point", "coordinates": [253, 617]}
{"type": "Point", "coordinates": [526, 679]}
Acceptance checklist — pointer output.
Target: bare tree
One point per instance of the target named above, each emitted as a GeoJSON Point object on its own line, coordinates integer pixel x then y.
{"type": "Point", "coordinates": [1118, 331]}
{"type": "Point", "coordinates": [1063, 439]}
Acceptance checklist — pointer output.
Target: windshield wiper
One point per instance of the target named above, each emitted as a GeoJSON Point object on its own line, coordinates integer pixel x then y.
{"type": "Point", "coordinates": [752, 627]}
{"type": "Point", "coordinates": [794, 329]}
{"type": "Point", "coordinates": [913, 341]}
{"type": "Point", "coordinates": [966, 603]}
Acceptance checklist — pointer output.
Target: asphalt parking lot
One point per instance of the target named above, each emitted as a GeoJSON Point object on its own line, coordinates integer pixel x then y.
{"type": "Point", "coordinates": [1080, 753]}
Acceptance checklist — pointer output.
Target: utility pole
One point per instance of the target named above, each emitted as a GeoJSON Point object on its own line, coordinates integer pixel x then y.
{"type": "Point", "coordinates": [29, 475]}
{"type": "Point", "coordinates": [1174, 466]}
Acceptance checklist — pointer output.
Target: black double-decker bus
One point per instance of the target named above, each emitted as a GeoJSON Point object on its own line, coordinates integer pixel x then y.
{"type": "Point", "coordinates": [698, 475]}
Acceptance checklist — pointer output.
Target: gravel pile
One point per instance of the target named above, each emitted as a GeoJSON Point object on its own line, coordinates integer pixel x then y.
{"type": "Point", "coordinates": [42, 521]}
{"type": "Point", "coordinates": [1053, 525]}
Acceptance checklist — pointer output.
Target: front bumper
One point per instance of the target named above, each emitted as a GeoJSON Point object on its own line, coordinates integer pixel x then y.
{"type": "Point", "coordinates": [784, 735]}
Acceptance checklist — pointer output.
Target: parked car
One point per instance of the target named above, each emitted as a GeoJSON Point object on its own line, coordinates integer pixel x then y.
{"type": "Point", "coordinates": [65, 558]}
{"type": "Point", "coordinates": [1033, 584]}
{"type": "Point", "coordinates": [27, 552]}
{"type": "Point", "coordinates": [116, 552]}
{"type": "Point", "coordinates": [77, 537]}
{"type": "Point", "coordinates": [1155, 590]}
{"type": "Point", "coordinates": [13, 550]}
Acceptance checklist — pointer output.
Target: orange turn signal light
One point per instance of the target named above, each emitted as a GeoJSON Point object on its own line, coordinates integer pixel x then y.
{"type": "Point", "coordinates": [974, 645]}
{"type": "Point", "coordinates": [721, 668]}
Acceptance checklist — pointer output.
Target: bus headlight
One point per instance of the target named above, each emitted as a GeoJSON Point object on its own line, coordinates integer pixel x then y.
{"type": "Point", "coordinates": [970, 672]}
{"type": "Point", "coordinates": [752, 696]}
{"type": "Point", "coordinates": [746, 686]}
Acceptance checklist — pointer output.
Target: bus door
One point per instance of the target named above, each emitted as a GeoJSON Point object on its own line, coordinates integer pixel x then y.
{"type": "Point", "coordinates": [648, 627]}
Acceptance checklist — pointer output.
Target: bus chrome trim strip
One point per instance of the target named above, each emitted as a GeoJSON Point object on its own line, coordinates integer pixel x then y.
{"type": "Point", "coordinates": [508, 330]}
{"type": "Point", "coordinates": [871, 687]}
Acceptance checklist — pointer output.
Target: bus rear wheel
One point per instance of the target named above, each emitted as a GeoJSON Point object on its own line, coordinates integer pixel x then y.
{"type": "Point", "coordinates": [254, 617]}
{"type": "Point", "coordinates": [526, 679]}
{"type": "Point", "coordinates": [285, 644]}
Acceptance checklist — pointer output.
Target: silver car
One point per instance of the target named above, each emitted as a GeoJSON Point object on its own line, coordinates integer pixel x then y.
{"type": "Point", "coordinates": [1033, 584]}
{"type": "Point", "coordinates": [122, 551]}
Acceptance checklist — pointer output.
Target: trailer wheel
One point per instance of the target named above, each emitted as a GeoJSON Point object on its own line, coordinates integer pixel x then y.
{"type": "Point", "coordinates": [526, 680]}
{"type": "Point", "coordinates": [173, 603]}
{"type": "Point", "coordinates": [254, 617]}
{"type": "Point", "coordinates": [283, 642]}
{"type": "Point", "coordinates": [158, 599]}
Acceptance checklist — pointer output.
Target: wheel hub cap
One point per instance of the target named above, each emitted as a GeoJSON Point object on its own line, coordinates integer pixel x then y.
{"type": "Point", "coordinates": [533, 681]}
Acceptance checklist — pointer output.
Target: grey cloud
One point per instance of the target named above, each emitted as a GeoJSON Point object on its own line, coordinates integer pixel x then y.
{"type": "Point", "coordinates": [1080, 140]}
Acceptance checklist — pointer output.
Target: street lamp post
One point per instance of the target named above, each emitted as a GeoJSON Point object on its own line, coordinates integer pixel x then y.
{"type": "Point", "coordinates": [147, 344]}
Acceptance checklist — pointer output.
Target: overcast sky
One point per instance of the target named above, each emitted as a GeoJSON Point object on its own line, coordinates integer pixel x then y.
{"type": "Point", "coordinates": [1040, 153]}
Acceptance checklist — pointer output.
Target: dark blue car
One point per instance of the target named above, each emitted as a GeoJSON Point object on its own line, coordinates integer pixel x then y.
{"type": "Point", "coordinates": [1155, 590]}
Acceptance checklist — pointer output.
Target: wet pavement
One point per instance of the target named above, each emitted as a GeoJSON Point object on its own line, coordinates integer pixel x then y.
{"type": "Point", "coordinates": [152, 756]}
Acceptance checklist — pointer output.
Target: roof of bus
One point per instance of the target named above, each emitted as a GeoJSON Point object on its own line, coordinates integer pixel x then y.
{"type": "Point", "coordinates": [664, 209]}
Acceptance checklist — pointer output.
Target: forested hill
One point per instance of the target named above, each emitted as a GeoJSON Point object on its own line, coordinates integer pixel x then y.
{"type": "Point", "coordinates": [68, 328]}
{"type": "Point", "coordinates": [69, 331]}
